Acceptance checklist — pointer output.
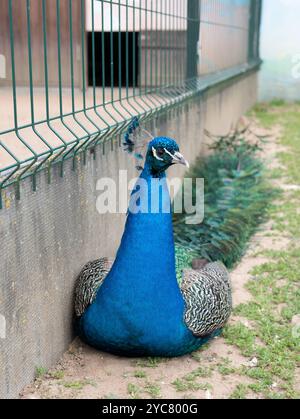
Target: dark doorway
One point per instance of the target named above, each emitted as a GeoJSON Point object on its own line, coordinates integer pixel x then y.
{"type": "Point", "coordinates": [123, 45]}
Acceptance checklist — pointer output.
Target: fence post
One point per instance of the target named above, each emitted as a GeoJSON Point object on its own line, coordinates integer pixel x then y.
{"type": "Point", "coordinates": [254, 29]}
{"type": "Point", "coordinates": [193, 28]}
{"type": "Point", "coordinates": [258, 26]}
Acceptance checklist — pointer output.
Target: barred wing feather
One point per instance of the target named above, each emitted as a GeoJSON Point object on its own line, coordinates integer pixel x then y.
{"type": "Point", "coordinates": [207, 295]}
{"type": "Point", "coordinates": [88, 283]}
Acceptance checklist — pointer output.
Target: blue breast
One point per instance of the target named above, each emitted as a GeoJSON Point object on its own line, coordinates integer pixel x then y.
{"type": "Point", "coordinates": [139, 308]}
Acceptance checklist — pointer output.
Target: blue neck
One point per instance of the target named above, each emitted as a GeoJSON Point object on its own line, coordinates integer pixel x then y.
{"type": "Point", "coordinates": [146, 256]}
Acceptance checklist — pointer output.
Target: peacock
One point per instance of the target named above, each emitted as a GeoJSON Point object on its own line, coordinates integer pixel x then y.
{"type": "Point", "coordinates": [137, 305]}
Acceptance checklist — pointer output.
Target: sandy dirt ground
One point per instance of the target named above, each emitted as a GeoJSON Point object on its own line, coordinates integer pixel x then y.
{"type": "Point", "coordinates": [86, 373]}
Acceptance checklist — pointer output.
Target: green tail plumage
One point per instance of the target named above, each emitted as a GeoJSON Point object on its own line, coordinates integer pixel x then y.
{"type": "Point", "coordinates": [236, 199]}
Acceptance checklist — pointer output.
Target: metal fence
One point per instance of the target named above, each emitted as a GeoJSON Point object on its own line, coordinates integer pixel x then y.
{"type": "Point", "coordinates": [74, 73]}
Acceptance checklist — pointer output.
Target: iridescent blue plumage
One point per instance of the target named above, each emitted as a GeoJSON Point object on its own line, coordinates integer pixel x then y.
{"type": "Point", "coordinates": [139, 308]}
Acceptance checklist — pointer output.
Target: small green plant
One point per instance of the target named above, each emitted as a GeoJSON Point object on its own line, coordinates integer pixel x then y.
{"type": "Point", "coordinates": [75, 385]}
{"type": "Point", "coordinates": [133, 391]}
{"type": "Point", "coordinates": [240, 392]}
{"type": "Point", "coordinates": [78, 385]}
{"type": "Point", "coordinates": [225, 367]}
{"type": "Point", "coordinates": [110, 396]}
{"type": "Point", "coordinates": [57, 375]}
{"type": "Point", "coordinates": [277, 103]}
{"type": "Point", "coordinates": [199, 372]}
{"type": "Point", "coordinates": [139, 374]}
{"type": "Point", "coordinates": [183, 386]}
{"type": "Point", "coordinates": [242, 337]}
{"type": "Point", "coordinates": [150, 362]}
{"type": "Point", "coordinates": [153, 390]}
{"type": "Point", "coordinates": [40, 372]}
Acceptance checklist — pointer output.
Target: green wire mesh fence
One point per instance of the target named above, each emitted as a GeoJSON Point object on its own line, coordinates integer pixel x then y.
{"type": "Point", "coordinates": [74, 72]}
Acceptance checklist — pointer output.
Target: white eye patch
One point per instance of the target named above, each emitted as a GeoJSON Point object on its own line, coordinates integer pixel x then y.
{"type": "Point", "coordinates": [155, 154]}
{"type": "Point", "coordinates": [170, 154]}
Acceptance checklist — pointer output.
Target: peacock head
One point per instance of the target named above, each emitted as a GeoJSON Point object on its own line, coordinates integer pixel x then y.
{"type": "Point", "coordinates": [162, 153]}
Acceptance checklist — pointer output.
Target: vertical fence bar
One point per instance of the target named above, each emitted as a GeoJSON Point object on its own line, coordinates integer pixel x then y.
{"type": "Point", "coordinates": [73, 88]}
{"type": "Point", "coordinates": [141, 90]}
{"type": "Point", "coordinates": [148, 48]}
{"type": "Point", "coordinates": [50, 151]}
{"type": "Point", "coordinates": [83, 71]}
{"type": "Point", "coordinates": [75, 140]}
{"type": "Point", "coordinates": [193, 22]}
{"type": "Point", "coordinates": [109, 131]}
{"type": "Point", "coordinates": [161, 55]}
{"type": "Point", "coordinates": [46, 81]}
{"type": "Point", "coordinates": [120, 58]}
{"type": "Point", "coordinates": [154, 63]}
{"type": "Point", "coordinates": [136, 61]}
{"type": "Point", "coordinates": [122, 123]}
{"type": "Point", "coordinates": [136, 106]}
{"type": "Point", "coordinates": [15, 103]}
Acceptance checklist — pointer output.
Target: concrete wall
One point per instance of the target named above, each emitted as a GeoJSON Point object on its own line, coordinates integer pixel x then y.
{"type": "Point", "coordinates": [48, 236]}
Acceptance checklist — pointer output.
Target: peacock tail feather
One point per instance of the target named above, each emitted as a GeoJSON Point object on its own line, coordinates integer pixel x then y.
{"type": "Point", "coordinates": [183, 260]}
{"type": "Point", "coordinates": [236, 199]}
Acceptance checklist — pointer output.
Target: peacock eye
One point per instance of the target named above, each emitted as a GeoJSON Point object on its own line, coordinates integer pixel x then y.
{"type": "Point", "coordinates": [160, 152]}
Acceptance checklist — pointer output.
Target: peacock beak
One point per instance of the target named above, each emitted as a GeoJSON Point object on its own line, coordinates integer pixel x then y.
{"type": "Point", "coordinates": [179, 159]}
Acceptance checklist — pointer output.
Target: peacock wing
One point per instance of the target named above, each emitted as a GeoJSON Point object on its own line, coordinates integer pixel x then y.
{"type": "Point", "coordinates": [207, 295]}
{"type": "Point", "coordinates": [88, 283]}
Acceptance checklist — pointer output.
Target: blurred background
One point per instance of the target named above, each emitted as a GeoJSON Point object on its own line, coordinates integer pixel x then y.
{"type": "Point", "coordinates": [280, 50]}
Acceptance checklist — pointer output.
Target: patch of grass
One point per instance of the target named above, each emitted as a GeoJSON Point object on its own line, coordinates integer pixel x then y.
{"type": "Point", "coordinates": [139, 374]}
{"type": "Point", "coordinates": [277, 103]}
{"type": "Point", "coordinates": [75, 385]}
{"type": "Point", "coordinates": [183, 386]}
{"type": "Point", "coordinates": [278, 354]}
{"type": "Point", "coordinates": [110, 396]}
{"type": "Point", "coordinates": [240, 392]}
{"type": "Point", "coordinates": [40, 372]}
{"type": "Point", "coordinates": [275, 283]}
{"type": "Point", "coordinates": [133, 391]}
{"type": "Point", "coordinates": [189, 381]}
{"type": "Point", "coordinates": [275, 173]}
{"type": "Point", "coordinates": [225, 367]}
{"type": "Point", "coordinates": [78, 385]}
{"type": "Point", "coordinates": [150, 362]}
{"type": "Point", "coordinates": [203, 372]}
{"type": "Point", "coordinates": [57, 375]}
{"type": "Point", "coordinates": [153, 390]}
{"type": "Point", "coordinates": [266, 118]}
{"type": "Point", "coordinates": [242, 337]}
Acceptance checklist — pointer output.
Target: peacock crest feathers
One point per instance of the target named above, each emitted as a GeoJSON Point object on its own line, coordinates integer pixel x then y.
{"type": "Point", "coordinates": [136, 140]}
